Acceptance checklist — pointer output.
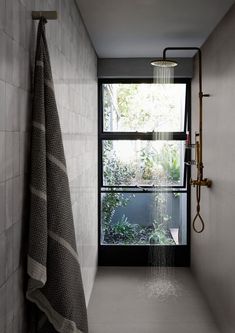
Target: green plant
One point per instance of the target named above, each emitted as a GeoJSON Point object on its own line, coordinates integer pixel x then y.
{"type": "Point", "coordinates": [134, 107]}
{"type": "Point", "coordinates": [160, 235]}
{"type": "Point", "coordinates": [148, 159]}
{"type": "Point", "coordinates": [109, 204]}
{"type": "Point", "coordinates": [127, 233]}
{"type": "Point", "coordinates": [170, 161]}
{"type": "Point", "coordinates": [161, 165]}
{"type": "Point", "coordinates": [120, 232]}
{"type": "Point", "coordinates": [161, 216]}
{"type": "Point", "coordinates": [115, 173]}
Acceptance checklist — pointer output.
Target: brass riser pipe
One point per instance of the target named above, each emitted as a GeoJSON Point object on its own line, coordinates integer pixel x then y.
{"type": "Point", "coordinates": [200, 181]}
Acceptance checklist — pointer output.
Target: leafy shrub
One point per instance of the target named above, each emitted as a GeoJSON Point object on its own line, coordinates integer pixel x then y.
{"type": "Point", "coordinates": [127, 233]}
{"type": "Point", "coordinates": [170, 161]}
{"type": "Point", "coordinates": [160, 235]}
{"type": "Point", "coordinates": [120, 232]}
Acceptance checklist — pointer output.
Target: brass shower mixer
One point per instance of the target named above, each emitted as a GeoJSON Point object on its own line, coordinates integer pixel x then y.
{"type": "Point", "coordinates": [201, 182]}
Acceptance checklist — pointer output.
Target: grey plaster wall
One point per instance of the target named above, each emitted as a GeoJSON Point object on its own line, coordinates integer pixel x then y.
{"type": "Point", "coordinates": [74, 68]}
{"type": "Point", "coordinates": [213, 250]}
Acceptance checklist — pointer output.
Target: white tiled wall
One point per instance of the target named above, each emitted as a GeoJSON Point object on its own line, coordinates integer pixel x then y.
{"type": "Point", "coordinates": [73, 63]}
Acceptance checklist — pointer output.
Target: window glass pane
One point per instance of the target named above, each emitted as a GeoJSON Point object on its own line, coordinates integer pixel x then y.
{"type": "Point", "coordinates": [144, 107]}
{"type": "Point", "coordinates": [143, 163]}
{"type": "Point", "coordinates": [143, 218]}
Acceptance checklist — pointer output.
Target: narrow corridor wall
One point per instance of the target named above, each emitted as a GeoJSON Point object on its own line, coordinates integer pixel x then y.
{"type": "Point", "coordinates": [213, 250]}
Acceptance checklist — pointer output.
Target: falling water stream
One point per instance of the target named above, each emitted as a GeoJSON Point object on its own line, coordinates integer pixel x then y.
{"type": "Point", "coordinates": [161, 281]}
{"type": "Point", "coordinates": [163, 75]}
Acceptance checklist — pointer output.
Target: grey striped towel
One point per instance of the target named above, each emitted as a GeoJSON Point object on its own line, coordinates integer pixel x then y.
{"type": "Point", "coordinates": [55, 284]}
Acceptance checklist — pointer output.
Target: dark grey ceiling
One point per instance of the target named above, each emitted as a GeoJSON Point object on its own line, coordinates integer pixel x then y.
{"type": "Point", "coordinates": [142, 28]}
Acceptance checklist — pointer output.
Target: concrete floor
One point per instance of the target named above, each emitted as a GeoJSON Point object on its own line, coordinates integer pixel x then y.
{"type": "Point", "coordinates": [147, 300]}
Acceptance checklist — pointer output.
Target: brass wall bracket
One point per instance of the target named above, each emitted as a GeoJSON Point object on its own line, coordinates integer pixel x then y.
{"type": "Point", "coordinates": [201, 182]}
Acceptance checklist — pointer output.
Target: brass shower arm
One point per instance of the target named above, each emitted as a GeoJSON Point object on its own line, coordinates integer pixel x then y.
{"type": "Point", "coordinates": [180, 49]}
{"type": "Point", "coordinates": [199, 63]}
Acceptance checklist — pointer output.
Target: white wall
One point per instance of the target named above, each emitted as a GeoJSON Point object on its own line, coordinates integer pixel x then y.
{"type": "Point", "coordinates": [73, 63]}
{"type": "Point", "coordinates": [213, 250]}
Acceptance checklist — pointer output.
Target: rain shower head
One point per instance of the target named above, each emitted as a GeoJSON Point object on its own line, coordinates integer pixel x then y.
{"type": "Point", "coordinates": [163, 70]}
{"type": "Point", "coordinates": [164, 63]}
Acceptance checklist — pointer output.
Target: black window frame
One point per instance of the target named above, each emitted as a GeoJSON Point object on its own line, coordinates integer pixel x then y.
{"type": "Point", "coordinates": [112, 255]}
